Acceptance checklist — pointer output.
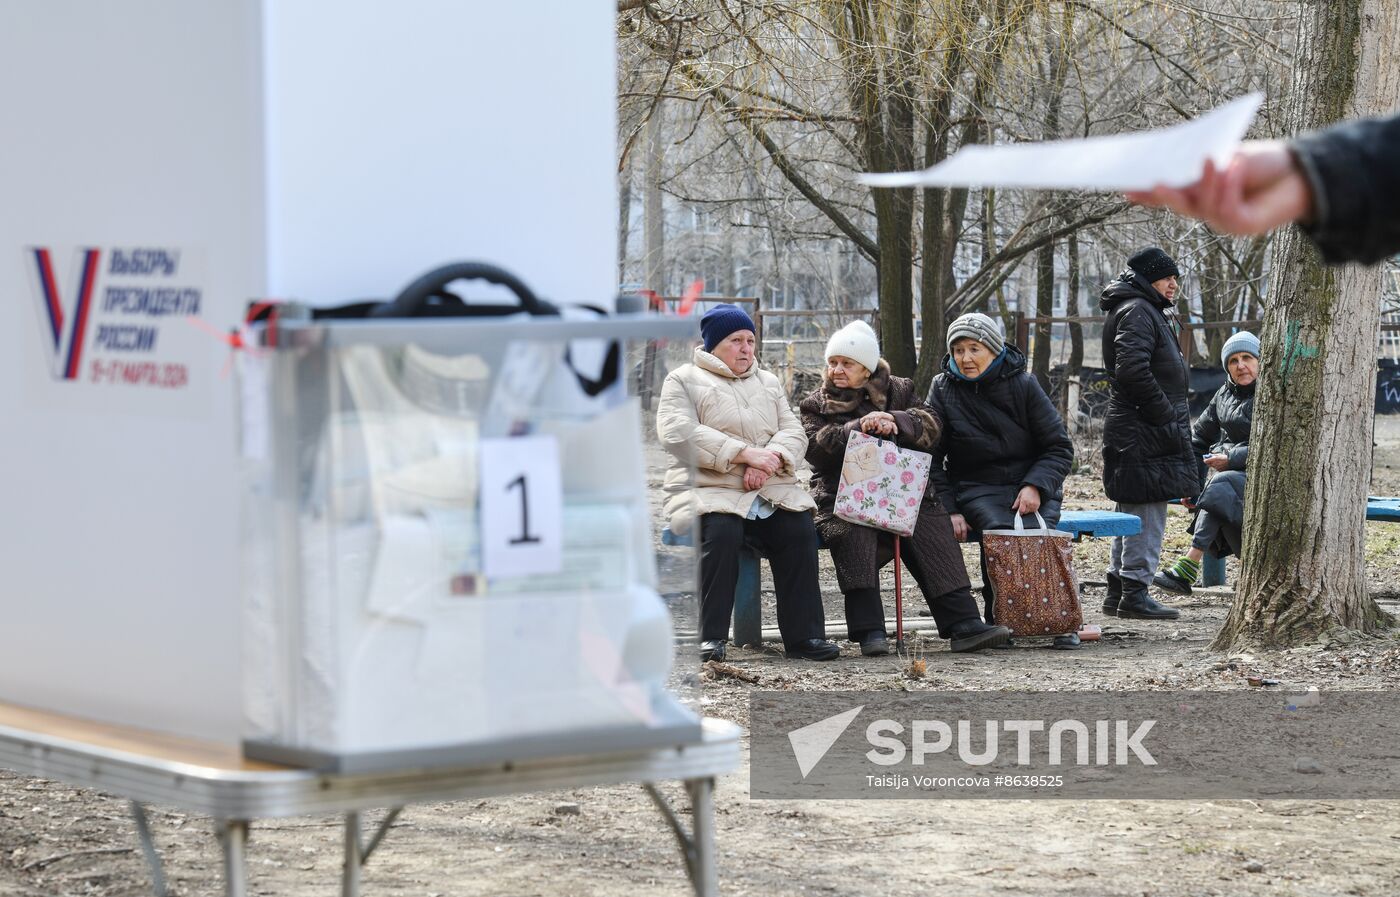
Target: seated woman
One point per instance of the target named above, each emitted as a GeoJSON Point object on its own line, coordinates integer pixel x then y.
{"type": "Point", "coordinates": [1004, 449]}
{"type": "Point", "coordinates": [1221, 438]}
{"type": "Point", "coordinates": [858, 391]}
{"type": "Point", "coordinates": [732, 421]}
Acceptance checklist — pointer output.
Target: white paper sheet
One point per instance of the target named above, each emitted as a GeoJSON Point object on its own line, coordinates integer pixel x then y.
{"type": "Point", "coordinates": [1173, 156]}
{"type": "Point", "coordinates": [522, 507]}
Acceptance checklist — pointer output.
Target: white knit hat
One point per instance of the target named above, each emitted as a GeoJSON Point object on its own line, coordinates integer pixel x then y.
{"type": "Point", "coordinates": [857, 342]}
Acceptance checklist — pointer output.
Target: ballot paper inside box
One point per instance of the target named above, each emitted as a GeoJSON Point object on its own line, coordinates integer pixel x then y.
{"type": "Point", "coordinates": [378, 630]}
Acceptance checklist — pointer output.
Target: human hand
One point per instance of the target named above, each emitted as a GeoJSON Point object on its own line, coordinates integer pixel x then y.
{"type": "Point", "coordinates": [960, 527]}
{"type": "Point", "coordinates": [1260, 189]}
{"type": "Point", "coordinates": [763, 459]}
{"type": "Point", "coordinates": [879, 423]}
{"type": "Point", "coordinates": [1217, 461]}
{"type": "Point", "coordinates": [1188, 503]}
{"type": "Point", "coordinates": [754, 479]}
{"type": "Point", "coordinates": [1027, 500]}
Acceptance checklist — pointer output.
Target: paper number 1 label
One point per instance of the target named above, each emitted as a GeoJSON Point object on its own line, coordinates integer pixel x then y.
{"type": "Point", "coordinates": [522, 507]}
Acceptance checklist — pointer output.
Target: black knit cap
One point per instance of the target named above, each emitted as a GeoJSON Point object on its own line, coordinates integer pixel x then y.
{"type": "Point", "coordinates": [1153, 264]}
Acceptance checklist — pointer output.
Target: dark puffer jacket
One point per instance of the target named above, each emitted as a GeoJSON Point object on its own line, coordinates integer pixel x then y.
{"type": "Point", "coordinates": [830, 414]}
{"type": "Point", "coordinates": [998, 430]}
{"type": "Point", "coordinates": [1147, 454]}
{"type": "Point", "coordinates": [1354, 172]}
{"type": "Point", "coordinates": [1223, 428]}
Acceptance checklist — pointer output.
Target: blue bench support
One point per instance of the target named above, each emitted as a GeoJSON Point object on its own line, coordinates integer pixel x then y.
{"type": "Point", "coordinates": [1384, 509]}
{"type": "Point", "coordinates": [748, 623]}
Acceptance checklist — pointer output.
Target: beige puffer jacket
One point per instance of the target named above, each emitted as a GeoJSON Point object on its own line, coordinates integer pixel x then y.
{"type": "Point", "coordinates": [708, 415]}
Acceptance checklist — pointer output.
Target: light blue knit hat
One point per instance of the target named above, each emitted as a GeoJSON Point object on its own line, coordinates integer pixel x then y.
{"type": "Point", "coordinates": [1244, 341]}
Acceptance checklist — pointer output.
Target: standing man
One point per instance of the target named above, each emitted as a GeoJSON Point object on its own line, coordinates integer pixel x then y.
{"type": "Point", "coordinates": [1147, 454]}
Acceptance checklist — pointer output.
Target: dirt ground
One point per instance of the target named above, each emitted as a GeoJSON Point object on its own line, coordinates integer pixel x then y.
{"type": "Point", "coordinates": [57, 840]}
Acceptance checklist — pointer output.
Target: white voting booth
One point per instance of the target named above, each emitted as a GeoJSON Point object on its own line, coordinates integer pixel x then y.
{"type": "Point", "coordinates": [200, 155]}
{"type": "Point", "coordinates": [165, 163]}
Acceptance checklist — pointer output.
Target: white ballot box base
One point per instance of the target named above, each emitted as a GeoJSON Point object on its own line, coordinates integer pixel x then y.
{"type": "Point", "coordinates": [678, 728]}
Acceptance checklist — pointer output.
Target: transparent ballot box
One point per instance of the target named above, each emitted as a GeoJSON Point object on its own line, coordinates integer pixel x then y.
{"type": "Point", "coordinates": [449, 544]}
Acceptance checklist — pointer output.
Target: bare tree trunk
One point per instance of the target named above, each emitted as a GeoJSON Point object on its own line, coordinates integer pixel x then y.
{"type": "Point", "coordinates": [1216, 291]}
{"type": "Point", "coordinates": [1310, 450]}
{"type": "Point", "coordinates": [887, 136]}
{"type": "Point", "coordinates": [655, 239]}
{"type": "Point", "coordinates": [624, 221]}
{"type": "Point", "coordinates": [1044, 308]}
{"type": "Point", "coordinates": [1045, 261]}
{"type": "Point", "coordinates": [1069, 393]}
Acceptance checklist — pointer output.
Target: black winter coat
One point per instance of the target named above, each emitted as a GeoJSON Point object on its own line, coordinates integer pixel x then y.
{"type": "Point", "coordinates": [999, 430]}
{"type": "Point", "coordinates": [1223, 428]}
{"type": "Point", "coordinates": [1354, 172]}
{"type": "Point", "coordinates": [1147, 454]}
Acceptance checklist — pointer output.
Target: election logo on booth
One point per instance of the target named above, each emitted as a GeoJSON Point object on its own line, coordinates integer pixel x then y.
{"type": "Point", "coordinates": [104, 311]}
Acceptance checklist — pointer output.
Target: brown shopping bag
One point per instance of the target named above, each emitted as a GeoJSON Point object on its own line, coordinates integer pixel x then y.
{"type": "Point", "coordinates": [1032, 574]}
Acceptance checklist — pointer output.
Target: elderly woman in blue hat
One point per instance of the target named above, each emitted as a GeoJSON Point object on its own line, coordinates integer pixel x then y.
{"type": "Point", "coordinates": [732, 421]}
{"type": "Point", "coordinates": [1221, 438]}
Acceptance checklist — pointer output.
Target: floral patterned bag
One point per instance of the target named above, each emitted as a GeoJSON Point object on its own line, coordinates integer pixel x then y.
{"type": "Point", "coordinates": [882, 485]}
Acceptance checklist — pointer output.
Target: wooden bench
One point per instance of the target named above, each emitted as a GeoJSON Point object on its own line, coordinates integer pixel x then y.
{"type": "Point", "coordinates": [748, 625]}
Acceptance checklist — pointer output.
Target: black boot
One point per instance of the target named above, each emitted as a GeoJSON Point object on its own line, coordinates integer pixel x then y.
{"type": "Point", "coordinates": [712, 649]}
{"type": "Point", "coordinates": [973, 635]}
{"type": "Point", "coordinates": [1137, 604]}
{"type": "Point", "coordinates": [812, 649]}
{"type": "Point", "coordinates": [1168, 581]}
{"type": "Point", "coordinates": [1115, 594]}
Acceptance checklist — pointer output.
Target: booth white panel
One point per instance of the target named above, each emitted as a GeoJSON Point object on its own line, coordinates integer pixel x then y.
{"type": "Point", "coordinates": [132, 125]}
{"type": "Point", "coordinates": [403, 136]}
{"type": "Point", "coordinates": [210, 152]}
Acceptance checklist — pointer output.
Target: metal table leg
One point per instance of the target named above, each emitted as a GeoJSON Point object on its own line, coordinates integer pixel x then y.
{"type": "Point", "coordinates": [702, 804]}
{"type": "Point", "coordinates": [148, 847]}
{"type": "Point", "coordinates": [354, 856]}
{"type": "Point", "coordinates": [233, 836]}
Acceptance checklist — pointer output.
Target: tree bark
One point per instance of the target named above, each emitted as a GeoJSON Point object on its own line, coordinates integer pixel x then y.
{"type": "Point", "coordinates": [1045, 260]}
{"type": "Point", "coordinates": [654, 208]}
{"type": "Point", "coordinates": [1069, 393]}
{"type": "Point", "coordinates": [1044, 308]}
{"type": "Point", "coordinates": [887, 137]}
{"type": "Point", "coordinates": [1310, 449]}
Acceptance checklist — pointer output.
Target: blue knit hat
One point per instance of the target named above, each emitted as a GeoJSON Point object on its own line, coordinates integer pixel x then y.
{"type": "Point", "coordinates": [722, 320]}
{"type": "Point", "coordinates": [1244, 341]}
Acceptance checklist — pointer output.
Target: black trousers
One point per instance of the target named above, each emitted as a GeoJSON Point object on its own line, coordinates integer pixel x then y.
{"type": "Point", "coordinates": [865, 609]}
{"type": "Point", "coordinates": [789, 540]}
{"type": "Point", "coordinates": [931, 555]}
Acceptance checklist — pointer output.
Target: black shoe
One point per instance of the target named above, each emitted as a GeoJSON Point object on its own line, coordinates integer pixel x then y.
{"type": "Point", "coordinates": [1066, 642]}
{"type": "Point", "coordinates": [1137, 604]}
{"type": "Point", "coordinates": [875, 644]}
{"type": "Point", "coordinates": [1115, 595]}
{"type": "Point", "coordinates": [973, 635]}
{"type": "Point", "coordinates": [1168, 581]}
{"type": "Point", "coordinates": [712, 649]}
{"type": "Point", "coordinates": [813, 649]}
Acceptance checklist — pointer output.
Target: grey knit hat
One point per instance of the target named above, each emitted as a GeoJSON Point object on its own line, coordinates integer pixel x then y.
{"type": "Point", "coordinates": [979, 327]}
{"type": "Point", "coordinates": [1244, 341]}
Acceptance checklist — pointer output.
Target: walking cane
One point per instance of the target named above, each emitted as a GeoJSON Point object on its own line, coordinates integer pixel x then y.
{"type": "Point", "coordinates": [898, 602]}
